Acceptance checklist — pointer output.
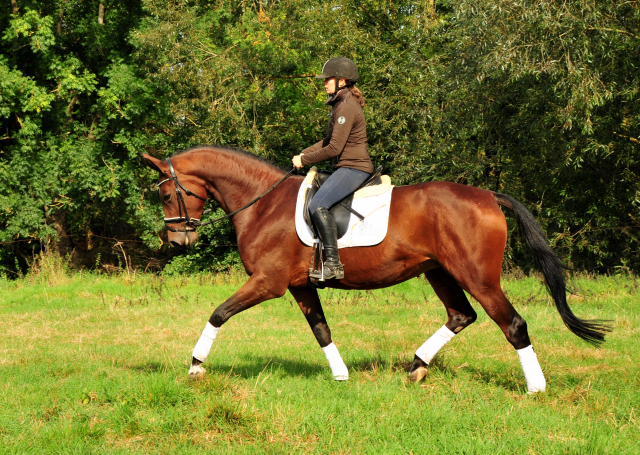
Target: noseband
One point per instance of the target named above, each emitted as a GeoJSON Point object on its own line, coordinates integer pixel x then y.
{"type": "Point", "coordinates": [192, 223]}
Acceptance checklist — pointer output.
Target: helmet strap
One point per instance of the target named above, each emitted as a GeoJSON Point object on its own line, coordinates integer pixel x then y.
{"type": "Point", "coordinates": [337, 89]}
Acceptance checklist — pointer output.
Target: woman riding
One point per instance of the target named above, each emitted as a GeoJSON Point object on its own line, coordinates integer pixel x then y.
{"type": "Point", "coordinates": [346, 145]}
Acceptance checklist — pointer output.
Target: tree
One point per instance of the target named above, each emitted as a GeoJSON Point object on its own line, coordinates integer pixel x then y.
{"type": "Point", "coordinates": [61, 167]}
{"type": "Point", "coordinates": [540, 99]}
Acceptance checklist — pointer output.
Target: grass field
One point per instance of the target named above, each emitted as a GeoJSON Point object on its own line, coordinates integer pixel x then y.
{"type": "Point", "coordinates": [97, 364]}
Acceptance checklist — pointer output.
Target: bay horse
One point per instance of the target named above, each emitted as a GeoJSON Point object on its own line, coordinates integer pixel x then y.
{"type": "Point", "coordinates": [454, 234]}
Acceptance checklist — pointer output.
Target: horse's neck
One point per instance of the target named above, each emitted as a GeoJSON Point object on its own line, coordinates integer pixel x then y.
{"type": "Point", "coordinates": [239, 179]}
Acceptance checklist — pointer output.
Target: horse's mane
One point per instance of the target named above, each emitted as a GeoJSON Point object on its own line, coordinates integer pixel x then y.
{"type": "Point", "coordinates": [233, 150]}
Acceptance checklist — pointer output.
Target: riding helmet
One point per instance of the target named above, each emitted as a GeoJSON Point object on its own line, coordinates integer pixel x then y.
{"type": "Point", "coordinates": [340, 67]}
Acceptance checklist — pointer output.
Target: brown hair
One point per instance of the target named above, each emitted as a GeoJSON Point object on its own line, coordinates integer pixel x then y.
{"type": "Point", "coordinates": [357, 94]}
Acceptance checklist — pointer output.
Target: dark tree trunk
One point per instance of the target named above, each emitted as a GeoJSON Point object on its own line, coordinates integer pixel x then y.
{"type": "Point", "coordinates": [58, 221]}
{"type": "Point", "coordinates": [73, 101]}
{"type": "Point", "coordinates": [59, 27]}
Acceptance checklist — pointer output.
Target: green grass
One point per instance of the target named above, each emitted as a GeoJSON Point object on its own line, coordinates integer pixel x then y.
{"type": "Point", "coordinates": [96, 364]}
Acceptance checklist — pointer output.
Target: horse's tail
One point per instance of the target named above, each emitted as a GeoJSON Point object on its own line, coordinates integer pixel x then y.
{"type": "Point", "coordinates": [592, 331]}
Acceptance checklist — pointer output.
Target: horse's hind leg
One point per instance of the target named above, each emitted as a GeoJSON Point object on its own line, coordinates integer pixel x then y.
{"type": "Point", "coordinates": [514, 328]}
{"type": "Point", "coordinates": [460, 314]}
{"type": "Point", "coordinates": [311, 307]}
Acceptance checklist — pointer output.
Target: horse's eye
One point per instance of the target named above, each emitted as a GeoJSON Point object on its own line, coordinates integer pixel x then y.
{"type": "Point", "coordinates": [167, 197]}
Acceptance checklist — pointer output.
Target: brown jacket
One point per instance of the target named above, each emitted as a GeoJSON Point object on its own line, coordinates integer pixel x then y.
{"type": "Point", "coordinates": [346, 139]}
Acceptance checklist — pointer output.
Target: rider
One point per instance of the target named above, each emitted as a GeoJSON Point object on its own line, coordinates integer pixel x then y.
{"type": "Point", "coordinates": [346, 145]}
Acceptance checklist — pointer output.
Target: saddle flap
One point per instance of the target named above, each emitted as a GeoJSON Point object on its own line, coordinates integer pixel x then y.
{"type": "Point", "coordinates": [341, 212]}
{"type": "Point", "coordinates": [341, 215]}
{"type": "Point", "coordinates": [314, 181]}
{"type": "Point", "coordinates": [367, 229]}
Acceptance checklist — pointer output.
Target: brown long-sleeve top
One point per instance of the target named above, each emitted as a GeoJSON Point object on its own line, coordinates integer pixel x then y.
{"type": "Point", "coordinates": [346, 140]}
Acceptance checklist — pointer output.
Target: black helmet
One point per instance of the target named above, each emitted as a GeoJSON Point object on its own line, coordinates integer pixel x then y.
{"type": "Point", "coordinates": [340, 67]}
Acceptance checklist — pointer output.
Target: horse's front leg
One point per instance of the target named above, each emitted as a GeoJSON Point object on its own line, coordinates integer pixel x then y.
{"type": "Point", "coordinates": [258, 289]}
{"type": "Point", "coordinates": [311, 307]}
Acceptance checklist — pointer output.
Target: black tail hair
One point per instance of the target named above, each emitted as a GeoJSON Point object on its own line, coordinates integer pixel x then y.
{"type": "Point", "coordinates": [592, 331]}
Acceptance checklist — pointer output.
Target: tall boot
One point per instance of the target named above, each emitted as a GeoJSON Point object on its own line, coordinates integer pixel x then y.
{"type": "Point", "coordinates": [328, 233]}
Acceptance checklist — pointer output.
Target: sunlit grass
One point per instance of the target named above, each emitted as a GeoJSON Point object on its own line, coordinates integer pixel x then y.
{"type": "Point", "coordinates": [97, 364]}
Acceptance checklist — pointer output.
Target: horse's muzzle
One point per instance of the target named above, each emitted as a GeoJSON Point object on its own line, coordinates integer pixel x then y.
{"type": "Point", "coordinates": [187, 239]}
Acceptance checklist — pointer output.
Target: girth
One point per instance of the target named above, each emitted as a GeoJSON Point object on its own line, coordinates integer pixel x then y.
{"type": "Point", "coordinates": [342, 211]}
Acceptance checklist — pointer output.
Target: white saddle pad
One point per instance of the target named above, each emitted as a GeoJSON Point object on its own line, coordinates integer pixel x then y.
{"type": "Point", "coordinates": [372, 202]}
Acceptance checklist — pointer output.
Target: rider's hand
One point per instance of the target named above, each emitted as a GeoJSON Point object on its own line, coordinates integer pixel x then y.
{"type": "Point", "coordinates": [297, 161]}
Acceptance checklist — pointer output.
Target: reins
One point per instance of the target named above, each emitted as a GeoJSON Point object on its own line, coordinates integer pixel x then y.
{"type": "Point", "coordinates": [192, 223]}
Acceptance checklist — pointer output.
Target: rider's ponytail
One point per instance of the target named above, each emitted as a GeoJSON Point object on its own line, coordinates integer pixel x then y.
{"type": "Point", "coordinates": [357, 94]}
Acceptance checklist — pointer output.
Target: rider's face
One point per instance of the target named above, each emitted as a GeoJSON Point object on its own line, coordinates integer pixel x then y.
{"type": "Point", "coordinates": [330, 84]}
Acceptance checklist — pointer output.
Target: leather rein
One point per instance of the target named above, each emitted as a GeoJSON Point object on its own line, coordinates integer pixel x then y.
{"type": "Point", "coordinates": [191, 224]}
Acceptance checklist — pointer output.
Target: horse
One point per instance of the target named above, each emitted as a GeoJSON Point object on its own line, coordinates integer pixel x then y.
{"type": "Point", "coordinates": [453, 234]}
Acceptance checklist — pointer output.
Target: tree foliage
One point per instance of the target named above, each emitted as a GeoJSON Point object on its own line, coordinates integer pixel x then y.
{"type": "Point", "coordinates": [65, 177]}
{"type": "Point", "coordinates": [535, 99]}
{"type": "Point", "coordinates": [542, 99]}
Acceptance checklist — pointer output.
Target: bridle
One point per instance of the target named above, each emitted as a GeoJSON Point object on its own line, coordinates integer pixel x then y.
{"type": "Point", "coordinates": [192, 223]}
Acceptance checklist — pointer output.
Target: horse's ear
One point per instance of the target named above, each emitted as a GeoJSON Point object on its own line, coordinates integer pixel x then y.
{"type": "Point", "coordinates": [153, 163]}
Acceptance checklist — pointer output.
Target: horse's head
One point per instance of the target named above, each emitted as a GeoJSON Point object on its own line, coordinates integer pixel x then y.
{"type": "Point", "coordinates": [183, 197]}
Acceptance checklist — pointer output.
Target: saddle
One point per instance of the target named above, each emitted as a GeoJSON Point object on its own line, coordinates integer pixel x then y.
{"type": "Point", "coordinates": [342, 211]}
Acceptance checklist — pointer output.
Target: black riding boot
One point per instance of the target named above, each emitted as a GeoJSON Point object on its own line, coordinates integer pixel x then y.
{"type": "Point", "coordinates": [328, 233]}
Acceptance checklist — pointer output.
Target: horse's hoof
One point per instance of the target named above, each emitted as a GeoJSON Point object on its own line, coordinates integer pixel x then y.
{"type": "Point", "coordinates": [536, 391]}
{"type": "Point", "coordinates": [196, 372]}
{"type": "Point", "coordinates": [418, 374]}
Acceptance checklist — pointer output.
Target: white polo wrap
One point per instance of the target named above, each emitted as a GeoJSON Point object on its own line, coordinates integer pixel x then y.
{"type": "Point", "coordinates": [531, 369]}
{"type": "Point", "coordinates": [203, 346]}
{"type": "Point", "coordinates": [338, 368]}
{"type": "Point", "coordinates": [430, 348]}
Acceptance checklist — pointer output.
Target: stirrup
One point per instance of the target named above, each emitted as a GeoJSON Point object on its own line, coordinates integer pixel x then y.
{"type": "Point", "coordinates": [330, 272]}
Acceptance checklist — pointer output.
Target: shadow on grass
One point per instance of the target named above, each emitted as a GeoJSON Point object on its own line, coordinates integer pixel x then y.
{"type": "Point", "coordinates": [254, 367]}
{"type": "Point", "coordinates": [150, 367]}
{"type": "Point", "coordinates": [243, 367]}
{"type": "Point", "coordinates": [505, 377]}
{"type": "Point", "coordinates": [375, 364]}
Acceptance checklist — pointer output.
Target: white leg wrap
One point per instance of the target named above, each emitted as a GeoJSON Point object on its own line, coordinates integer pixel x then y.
{"type": "Point", "coordinates": [532, 371]}
{"type": "Point", "coordinates": [430, 348]}
{"type": "Point", "coordinates": [203, 346]}
{"type": "Point", "coordinates": [338, 368]}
